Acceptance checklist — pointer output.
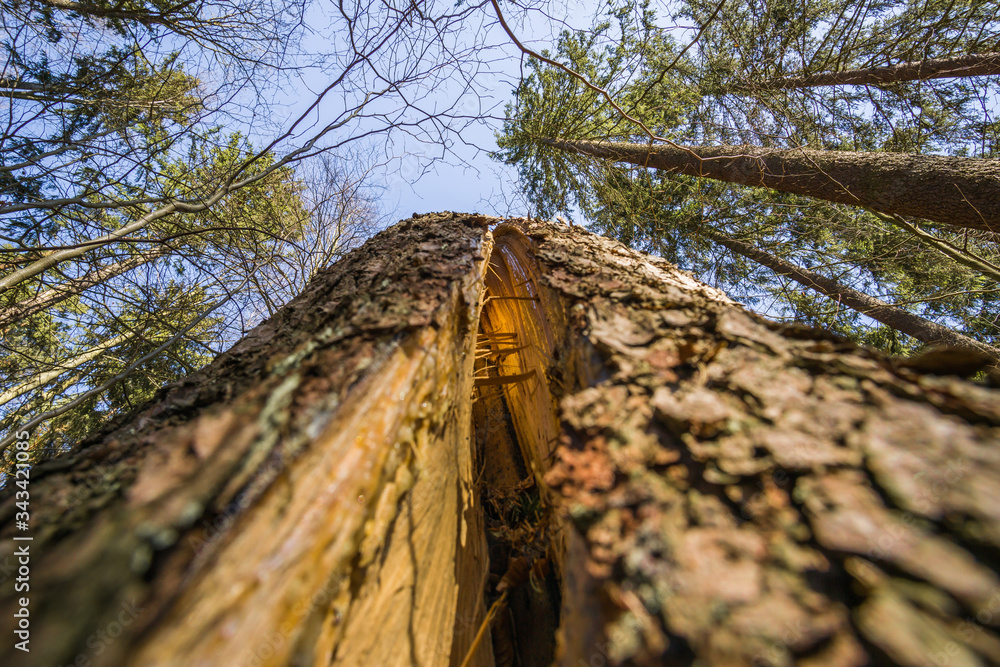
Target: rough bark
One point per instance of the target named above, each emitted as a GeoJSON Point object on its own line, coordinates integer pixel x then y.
{"type": "Point", "coordinates": [717, 488]}
{"type": "Point", "coordinates": [975, 64]}
{"type": "Point", "coordinates": [744, 493]}
{"type": "Point", "coordinates": [962, 192]}
{"type": "Point", "coordinates": [912, 325]}
{"type": "Point", "coordinates": [242, 511]}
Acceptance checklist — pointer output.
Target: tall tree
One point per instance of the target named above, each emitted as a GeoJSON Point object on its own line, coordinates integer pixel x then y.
{"type": "Point", "coordinates": [242, 263]}
{"type": "Point", "coordinates": [713, 488]}
{"type": "Point", "coordinates": [118, 147]}
{"type": "Point", "coordinates": [625, 82]}
{"type": "Point", "coordinates": [955, 191]}
{"type": "Point", "coordinates": [44, 298]}
{"type": "Point", "coordinates": [753, 43]}
{"type": "Point", "coordinates": [976, 64]}
{"type": "Point", "coordinates": [907, 323]}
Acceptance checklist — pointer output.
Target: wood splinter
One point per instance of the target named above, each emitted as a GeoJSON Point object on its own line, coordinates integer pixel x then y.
{"type": "Point", "coordinates": [505, 379]}
{"type": "Point", "coordinates": [511, 298]}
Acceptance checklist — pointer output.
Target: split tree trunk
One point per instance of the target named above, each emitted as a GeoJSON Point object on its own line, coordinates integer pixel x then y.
{"type": "Point", "coordinates": [975, 64]}
{"type": "Point", "coordinates": [956, 191]}
{"type": "Point", "coordinates": [663, 477]}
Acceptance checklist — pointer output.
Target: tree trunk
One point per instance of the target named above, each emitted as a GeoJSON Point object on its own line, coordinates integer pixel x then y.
{"type": "Point", "coordinates": [55, 369]}
{"type": "Point", "coordinates": [647, 472]}
{"type": "Point", "coordinates": [962, 192]}
{"type": "Point", "coordinates": [880, 311]}
{"type": "Point", "coordinates": [56, 257]}
{"type": "Point", "coordinates": [976, 64]}
{"type": "Point", "coordinates": [59, 293]}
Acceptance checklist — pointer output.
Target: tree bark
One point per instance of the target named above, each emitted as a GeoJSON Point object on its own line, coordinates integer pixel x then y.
{"type": "Point", "coordinates": [961, 192]}
{"type": "Point", "coordinates": [707, 486]}
{"type": "Point", "coordinates": [880, 311]}
{"type": "Point", "coordinates": [975, 64]}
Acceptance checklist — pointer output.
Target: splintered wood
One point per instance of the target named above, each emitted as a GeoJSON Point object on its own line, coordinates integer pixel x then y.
{"type": "Point", "coordinates": [518, 339]}
{"type": "Point", "coordinates": [516, 429]}
{"type": "Point", "coordinates": [529, 446]}
{"type": "Point", "coordinates": [307, 499]}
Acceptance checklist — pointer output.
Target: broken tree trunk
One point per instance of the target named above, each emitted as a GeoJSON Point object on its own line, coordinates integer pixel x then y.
{"type": "Point", "coordinates": [525, 446]}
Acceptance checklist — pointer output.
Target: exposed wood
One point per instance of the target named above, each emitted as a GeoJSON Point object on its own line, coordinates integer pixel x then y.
{"type": "Point", "coordinates": [659, 477]}
{"type": "Point", "coordinates": [318, 473]}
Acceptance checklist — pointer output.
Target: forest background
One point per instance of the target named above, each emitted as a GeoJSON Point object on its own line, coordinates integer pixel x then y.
{"type": "Point", "coordinates": [171, 174]}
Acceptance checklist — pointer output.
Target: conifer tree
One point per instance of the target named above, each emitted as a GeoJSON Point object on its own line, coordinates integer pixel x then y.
{"type": "Point", "coordinates": [627, 83]}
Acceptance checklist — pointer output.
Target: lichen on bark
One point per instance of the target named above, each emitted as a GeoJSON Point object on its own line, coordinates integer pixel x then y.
{"type": "Point", "coordinates": [725, 490]}
{"type": "Point", "coordinates": [241, 510]}
{"type": "Point", "coordinates": [747, 493]}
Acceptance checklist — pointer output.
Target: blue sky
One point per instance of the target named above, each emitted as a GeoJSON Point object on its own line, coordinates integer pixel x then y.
{"type": "Point", "coordinates": [420, 176]}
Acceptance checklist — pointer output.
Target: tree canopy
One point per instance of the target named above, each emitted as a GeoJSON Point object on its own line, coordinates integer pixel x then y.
{"type": "Point", "coordinates": [711, 108]}
{"type": "Point", "coordinates": [155, 204]}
